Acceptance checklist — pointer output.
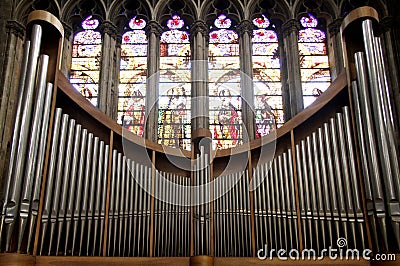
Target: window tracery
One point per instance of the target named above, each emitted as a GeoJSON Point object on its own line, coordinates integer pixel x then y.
{"type": "Point", "coordinates": [266, 77]}
{"type": "Point", "coordinates": [133, 71]}
{"type": "Point", "coordinates": [224, 85]}
{"type": "Point", "coordinates": [174, 115]}
{"type": "Point", "coordinates": [314, 63]}
{"type": "Point", "coordinates": [86, 53]}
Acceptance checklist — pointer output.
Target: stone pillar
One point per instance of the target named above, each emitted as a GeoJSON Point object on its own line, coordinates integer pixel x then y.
{"type": "Point", "coordinates": [9, 88]}
{"type": "Point", "coordinates": [335, 51]}
{"type": "Point", "coordinates": [245, 30]}
{"type": "Point", "coordinates": [107, 84]}
{"type": "Point", "coordinates": [199, 55]}
{"type": "Point", "coordinates": [293, 82]}
{"type": "Point", "coordinates": [153, 31]}
{"type": "Point", "coordinates": [66, 58]}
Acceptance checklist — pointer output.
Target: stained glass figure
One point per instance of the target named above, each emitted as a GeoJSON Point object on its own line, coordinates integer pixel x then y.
{"type": "Point", "coordinates": [174, 127]}
{"type": "Point", "coordinates": [132, 83]}
{"type": "Point", "coordinates": [86, 54]}
{"type": "Point", "coordinates": [268, 101]}
{"type": "Point", "coordinates": [224, 85]}
{"type": "Point", "coordinates": [314, 62]}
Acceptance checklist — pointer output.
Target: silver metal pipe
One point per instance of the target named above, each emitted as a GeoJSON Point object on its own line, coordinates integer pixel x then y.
{"type": "Point", "coordinates": [301, 195]}
{"type": "Point", "coordinates": [318, 188]}
{"type": "Point", "coordinates": [91, 197]}
{"type": "Point", "coordinates": [112, 201]}
{"type": "Point", "coordinates": [116, 203]}
{"type": "Point", "coordinates": [293, 199]}
{"type": "Point", "coordinates": [325, 185]}
{"type": "Point", "coordinates": [308, 206]}
{"type": "Point", "coordinates": [338, 174]}
{"type": "Point", "coordinates": [126, 209]}
{"type": "Point", "coordinates": [148, 211]}
{"type": "Point", "coordinates": [345, 175]}
{"type": "Point", "coordinates": [99, 194]}
{"type": "Point", "coordinates": [15, 137]}
{"type": "Point", "coordinates": [281, 202]}
{"type": "Point", "coordinates": [358, 209]}
{"type": "Point", "coordinates": [103, 198]}
{"type": "Point", "coordinates": [86, 187]}
{"type": "Point", "coordinates": [329, 160]}
{"type": "Point", "coordinates": [274, 211]}
{"type": "Point", "coordinates": [366, 163]}
{"type": "Point", "coordinates": [50, 176]}
{"type": "Point", "coordinates": [72, 185]}
{"type": "Point", "coordinates": [382, 128]}
{"type": "Point", "coordinates": [122, 205]}
{"type": "Point", "coordinates": [37, 185]}
{"type": "Point", "coordinates": [17, 172]}
{"type": "Point", "coordinates": [32, 150]}
{"type": "Point", "coordinates": [285, 181]}
{"type": "Point", "coordinates": [65, 181]}
{"type": "Point", "coordinates": [77, 206]}
{"type": "Point", "coordinates": [58, 179]}
{"type": "Point", "coordinates": [390, 130]}
{"type": "Point", "coordinates": [131, 209]}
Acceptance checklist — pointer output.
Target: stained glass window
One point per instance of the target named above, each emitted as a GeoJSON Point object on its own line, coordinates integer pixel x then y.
{"type": "Point", "coordinates": [86, 53]}
{"type": "Point", "coordinates": [174, 127]}
{"type": "Point", "coordinates": [314, 63]}
{"type": "Point", "coordinates": [266, 77]}
{"type": "Point", "coordinates": [132, 83]}
{"type": "Point", "coordinates": [224, 85]}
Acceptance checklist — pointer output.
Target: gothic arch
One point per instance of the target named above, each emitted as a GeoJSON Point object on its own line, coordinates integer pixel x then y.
{"type": "Point", "coordinates": [348, 5]}
{"type": "Point", "coordinates": [75, 11]}
{"type": "Point", "coordinates": [277, 10]}
{"type": "Point", "coordinates": [327, 9]}
{"type": "Point", "coordinates": [232, 8]}
{"type": "Point", "coordinates": [186, 9]}
{"type": "Point", "coordinates": [25, 7]}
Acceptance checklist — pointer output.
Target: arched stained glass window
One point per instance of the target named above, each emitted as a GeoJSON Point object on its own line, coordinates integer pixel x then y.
{"type": "Point", "coordinates": [86, 53]}
{"type": "Point", "coordinates": [174, 127]}
{"type": "Point", "coordinates": [314, 63]}
{"type": "Point", "coordinates": [132, 83]}
{"type": "Point", "coordinates": [224, 85]}
{"type": "Point", "coordinates": [267, 77]}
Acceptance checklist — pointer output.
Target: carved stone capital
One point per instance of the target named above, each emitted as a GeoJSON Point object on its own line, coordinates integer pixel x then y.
{"type": "Point", "coordinates": [153, 27]}
{"type": "Point", "coordinates": [334, 27]}
{"type": "Point", "coordinates": [387, 23]}
{"type": "Point", "coordinates": [107, 27]}
{"type": "Point", "coordinates": [199, 26]}
{"type": "Point", "coordinates": [245, 27]}
{"type": "Point", "coordinates": [16, 28]}
{"type": "Point", "coordinates": [290, 26]}
{"type": "Point", "coordinates": [67, 30]}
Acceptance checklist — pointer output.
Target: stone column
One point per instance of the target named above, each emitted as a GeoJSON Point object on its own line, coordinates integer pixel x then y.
{"type": "Point", "coordinates": [107, 85]}
{"type": "Point", "coordinates": [199, 55]}
{"type": "Point", "coordinates": [11, 67]}
{"type": "Point", "coordinates": [245, 30]}
{"type": "Point", "coordinates": [153, 31]}
{"type": "Point", "coordinates": [293, 82]}
{"type": "Point", "coordinates": [335, 51]}
{"type": "Point", "coordinates": [66, 59]}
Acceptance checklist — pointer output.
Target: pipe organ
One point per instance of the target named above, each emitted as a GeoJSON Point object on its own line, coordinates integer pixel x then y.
{"type": "Point", "coordinates": [72, 189]}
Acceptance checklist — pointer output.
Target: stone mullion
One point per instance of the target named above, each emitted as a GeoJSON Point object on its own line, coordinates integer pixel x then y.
{"type": "Point", "coordinates": [106, 83]}
{"type": "Point", "coordinates": [293, 82]}
{"type": "Point", "coordinates": [10, 87]}
{"type": "Point", "coordinates": [66, 60]}
{"type": "Point", "coordinates": [115, 79]}
{"type": "Point", "coordinates": [199, 72]}
{"type": "Point", "coordinates": [335, 52]}
{"type": "Point", "coordinates": [245, 30]}
{"type": "Point", "coordinates": [153, 31]}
